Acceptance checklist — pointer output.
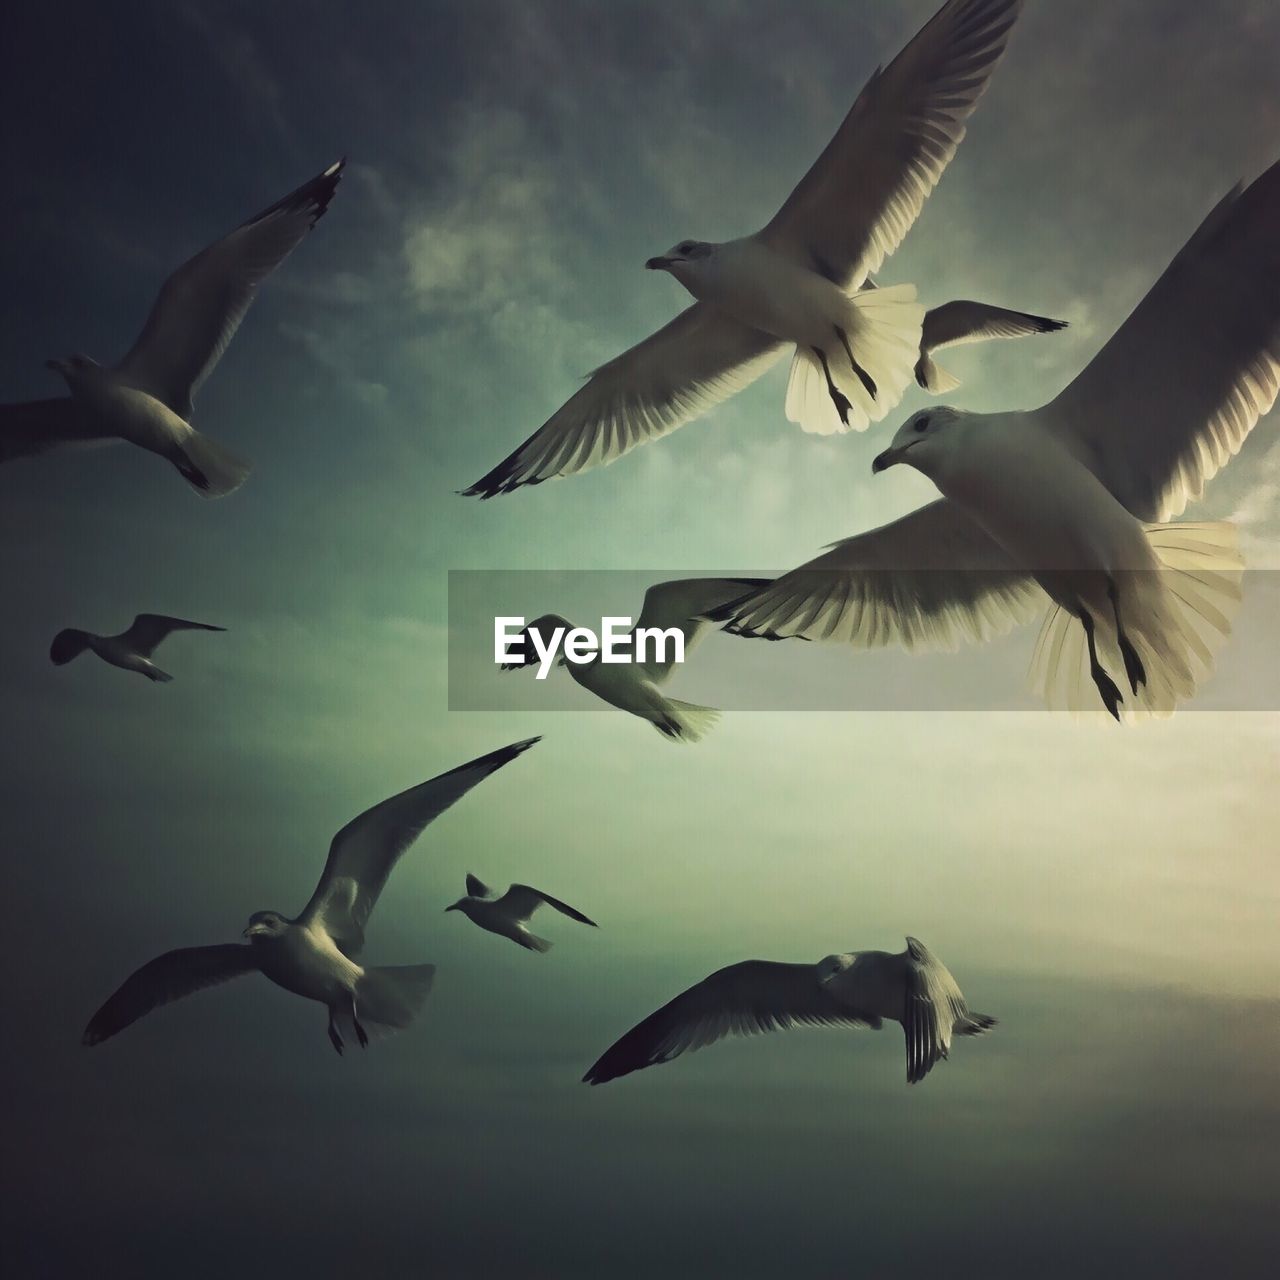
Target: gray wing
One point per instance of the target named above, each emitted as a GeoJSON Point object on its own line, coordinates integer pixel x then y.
{"type": "Point", "coordinates": [934, 1006]}
{"type": "Point", "coordinates": [476, 888]}
{"type": "Point", "coordinates": [684, 605]}
{"type": "Point", "coordinates": [202, 303]}
{"type": "Point", "coordinates": [167, 978]}
{"type": "Point", "coordinates": [956, 323]}
{"type": "Point", "coordinates": [699, 359]}
{"type": "Point", "coordinates": [1165, 404]}
{"type": "Point", "coordinates": [522, 901]}
{"type": "Point", "coordinates": [929, 581]}
{"type": "Point", "coordinates": [36, 426]}
{"type": "Point", "coordinates": [149, 629]}
{"type": "Point", "coordinates": [364, 851]}
{"type": "Point", "coordinates": [853, 208]}
{"type": "Point", "coordinates": [745, 999]}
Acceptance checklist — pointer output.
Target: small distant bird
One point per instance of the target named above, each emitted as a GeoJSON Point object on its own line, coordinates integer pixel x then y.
{"type": "Point", "coordinates": [315, 955]}
{"type": "Point", "coordinates": [681, 605]}
{"type": "Point", "coordinates": [801, 282]}
{"type": "Point", "coordinates": [956, 324]}
{"type": "Point", "coordinates": [509, 914]}
{"type": "Point", "coordinates": [131, 650]}
{"type": "Point", "coordinates": [146, 399]}
{"type": "Point", "coordinates": [1066, 511]}
{"type": "Point", "coordinates": [857, 989]}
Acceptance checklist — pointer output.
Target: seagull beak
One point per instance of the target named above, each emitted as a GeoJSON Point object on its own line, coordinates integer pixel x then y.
{"type": "Point", "coordinates": [252, 931]}
{"type": "Point", "coordinates": [657, 264]}
{"type": "Point", "coordinates": [889, 458]}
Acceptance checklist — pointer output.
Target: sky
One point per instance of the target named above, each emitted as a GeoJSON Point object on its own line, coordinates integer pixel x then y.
{"type": "Point", "coordinates": [1110, 896]}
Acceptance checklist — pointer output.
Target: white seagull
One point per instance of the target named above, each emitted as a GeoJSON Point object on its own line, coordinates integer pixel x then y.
{"type": "Point", "coordinates": [508, 915]}
{"type": "Point", "coordinates": [800, 281]}
{"type": "Point", "coordinates": [1067, 507]}
{"type": "Point", "coordinates": [856, 989]}
{"type": "Point", "coordinates": [131, 650]}
{"type": "Point", "coordinates": [316, 955]}
{"type": "Point", "coordinates": [956, 324]}
{"type": "Point", "coordinates": [146, 399]}
{"type": "Point", "coordinates": [682, 605]}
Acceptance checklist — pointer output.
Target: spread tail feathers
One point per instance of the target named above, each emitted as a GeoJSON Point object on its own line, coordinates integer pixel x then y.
{"type": "Point", "coordinates": [531, 941]}
{"type": "Point", "coordinates": [391, 995]}
{"type": "Point", "coordinates": [685, 721]}
{"type": "Point", "coordinates": [210, 469]}
{"type": "Point", "coordinates": [882, 328]}
{"type": "Point", "coordinates": [1175, 618]}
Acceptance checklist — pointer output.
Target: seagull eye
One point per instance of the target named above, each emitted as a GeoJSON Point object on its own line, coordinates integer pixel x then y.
{"type": "Point", "coordinates": [922, 424]}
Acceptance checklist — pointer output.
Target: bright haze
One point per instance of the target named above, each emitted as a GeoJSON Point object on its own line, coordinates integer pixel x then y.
{"type": "Point", "coordinates": [1111, 895]}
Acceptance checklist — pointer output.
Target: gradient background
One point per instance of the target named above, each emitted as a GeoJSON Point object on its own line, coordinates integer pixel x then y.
{"type": "Point", "coordinates": [1111, 896]}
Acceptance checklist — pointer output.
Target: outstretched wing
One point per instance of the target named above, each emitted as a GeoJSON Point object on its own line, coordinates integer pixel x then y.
{"type": "Point", "coordinates": [476, 887]}
{"type": "Point", "coordinates": [36, 426]}
{"type": "Point", "coordinates": [699, 359]}
{"type": "Point", "coordinates": [1165, 404]}
{"type": "Point", "coordinates": [853, 208]}
{"type": "Point", "coordinates": [745, 999]}
{"type": "Point", "coordinates": [202, 303]}
{"type": "Point", "coordinates": [167, 978]}
{"type": "Point", "coordinates": [956, 323]}
{"type": "Point", "coordinates": [931, 580]}
{"type": "Point", "coordinates": [933, 1007]}
{"type": "Point", "coordinates": [684, 605]}
{"type": "Point", "coordinates": [149, 629]}
{"type": "Point", "coordinates": [522, 902]}
{"type": "Point", "coordinates": [364, 851]}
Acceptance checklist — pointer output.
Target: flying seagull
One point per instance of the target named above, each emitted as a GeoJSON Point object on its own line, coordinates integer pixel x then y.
{"type": "Point", "coordinates": [146, 399]}
{"type": "Point", "coordinates": [1068, 507]}
{"type": "Point", "coordinates": [131, 650]}
{"type": "Point", "coordinates": [316, 955]}
{"type": "Point", "coordinates": [799, 282]}
{"type": "Point", "coordinates": [509, 914]}
{"type": "Point", "coordinates": [679, 606]}
{"type": "Point", "coordinates": [956, 324]}
{"type": "Point", "coordinates": [857, 989]}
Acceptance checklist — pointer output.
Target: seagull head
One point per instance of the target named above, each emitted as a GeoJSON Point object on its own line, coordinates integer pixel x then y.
{"type": "Point", "coordinates": [916, 443]}
{"type": "Point", "coordinates": [462, 905]}
{"type": "Point", "coordinates": [833, 967]}
{"type": "Point", "coordinates": [265, 924]}
{"type": "Point", "coordinates": [682, 260]}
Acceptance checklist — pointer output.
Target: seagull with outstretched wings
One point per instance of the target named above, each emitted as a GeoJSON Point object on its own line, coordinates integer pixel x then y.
{"type": "Point", "coordinates": [131, 650]}
{"type": "Point", "coordinates": [509, 915]}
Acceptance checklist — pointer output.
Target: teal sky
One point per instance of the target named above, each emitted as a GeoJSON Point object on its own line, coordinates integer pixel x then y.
{"type": "Point", "coordinates": [1111, 896]}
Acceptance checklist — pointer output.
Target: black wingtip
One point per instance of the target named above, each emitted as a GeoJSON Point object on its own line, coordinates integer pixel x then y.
{"type": "Point", "coordinates": [1045, 325]}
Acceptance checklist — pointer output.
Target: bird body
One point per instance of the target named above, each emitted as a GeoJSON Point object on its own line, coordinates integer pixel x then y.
{"type": "Point", "coordinates": [852, 989]}
{"type": "Point", "coordinates": [304, 959]}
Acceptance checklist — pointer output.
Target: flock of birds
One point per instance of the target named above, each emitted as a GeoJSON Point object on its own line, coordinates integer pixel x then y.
{"type": "Point", "coordinates": [1066, 511]}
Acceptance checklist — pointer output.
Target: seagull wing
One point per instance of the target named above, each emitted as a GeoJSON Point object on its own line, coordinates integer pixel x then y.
{"type": "Point", "coordinates": [1172, 396]}
{"type": "Point", "coordinates": [956, 323]}
{"type": "Point", "coordinates": [167, 978]}
{"type": "Point", "coordinates": [364, 851]}
{"type": "Point", "coordinates": [684, 605]}
{"type": "Point", "coordinates": [202, 303]}
{"type": "Point", "coordinates": [699, 359]}
{"type": "Point", "coordinates": [476, 888]}
{"type": "Point", "coordinates": [36, 426]}
{"type": "Point", "coordinates": [933, 1007]}
{"type": "Point", "coordinates": [522, 901]}
{"type": "Point", "coordinates": [149, 629]}
{"type": "Point", "coordinates": [745, 999]}
{"type": "Point", "coordinates": [853, 208]}
{"type": "Point", "coordinates": [929, 581]}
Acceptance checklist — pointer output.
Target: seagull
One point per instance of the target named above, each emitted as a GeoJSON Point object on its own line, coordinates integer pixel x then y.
{"type": "Point", "coordinates": [681, 605]}
{"type": "Point", "coordinates": [146, 399]}
{"type": "Point", "coordinates": [316, 955]}
{"type": "Point", "coordinates": [856, 989]}
{"type": "Point", "coordinates": [799, 282]}
{"type": "Point", "coordinates": [956, 324]}
{"type": "Point", "coordinates": [1070, 508]}
{"type": "Point", "coordinates": [131, 650]}
{"type": "Point", "coordinates": [507, 915]}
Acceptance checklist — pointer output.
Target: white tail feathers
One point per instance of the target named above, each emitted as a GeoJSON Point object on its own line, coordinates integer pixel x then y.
{"type": "Point", "coordinates": [210, 469]}
{"type": "Point", "coordinates": [685, 721]}
{"type": "Point", "coordinates": [933, 377]}
{"type": "Point", "coordinates": [1176, 618]}
{"type": "Point", "coordinates": [883, 328]}
{"type": "Point", "coordinates": [391, 996]}
{"type": "Point", "coordinates": [532, 942]}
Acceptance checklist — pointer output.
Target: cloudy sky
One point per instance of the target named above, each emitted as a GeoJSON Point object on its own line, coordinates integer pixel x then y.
{"type": "Point", "coordinates": [1111, 896]}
